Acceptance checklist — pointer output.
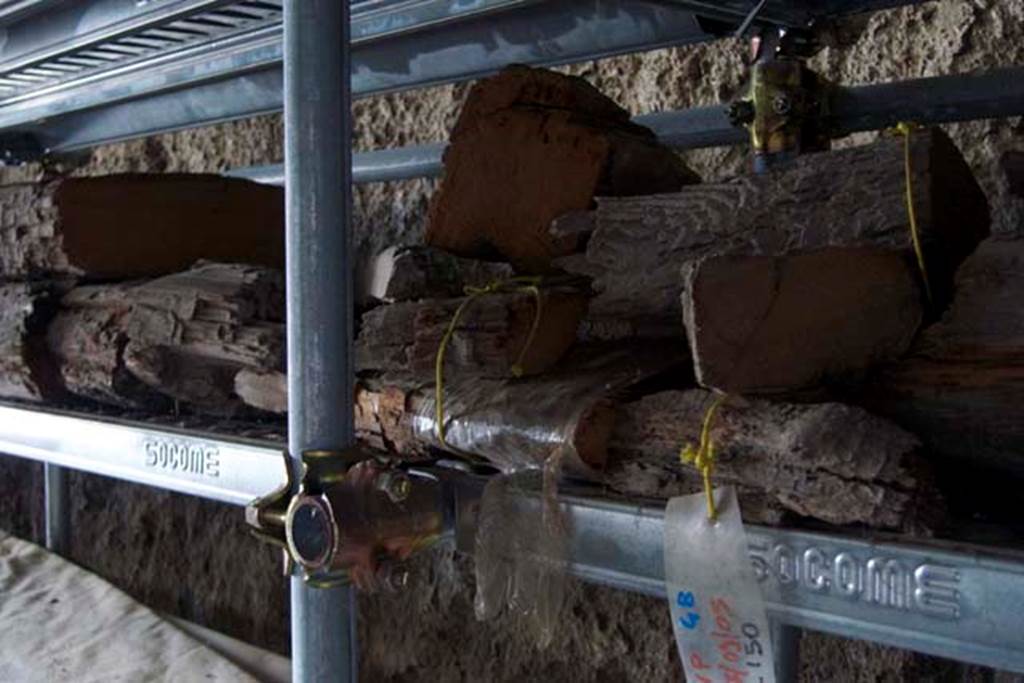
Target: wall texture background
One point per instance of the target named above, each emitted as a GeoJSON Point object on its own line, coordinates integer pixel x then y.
{"type": "Point", "coordinates": [196, 559]}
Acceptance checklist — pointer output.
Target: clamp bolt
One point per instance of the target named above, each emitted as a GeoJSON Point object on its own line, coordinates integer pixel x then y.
{"type": "Point", "coordinates": [741, 112]}
{"type": "Point", "coordinates": [396, 485]}
{"type": "Point", "coordinates": [781, 104]}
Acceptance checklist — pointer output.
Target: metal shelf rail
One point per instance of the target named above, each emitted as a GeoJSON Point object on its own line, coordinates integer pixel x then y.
{"type": "Point", "coordinates": [82, 73]}
{"type": "Point", "coordinates": [940, 598]}
{"type": "Point", "coordinates": [940, 99]}
{"type": "Point", "coordinates": [76, 74]}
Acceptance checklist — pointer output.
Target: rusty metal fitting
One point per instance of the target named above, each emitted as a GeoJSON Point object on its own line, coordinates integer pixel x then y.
{"type": "Point", "coordinates": [353, 519]}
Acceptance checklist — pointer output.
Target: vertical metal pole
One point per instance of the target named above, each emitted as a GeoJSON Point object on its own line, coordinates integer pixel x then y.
{"type": "Point", "coordinates": [786, 648]}
{"type": "Point", "coordinates": [57, 515]}
{"type": "Point", "coordinates": [317, 113]}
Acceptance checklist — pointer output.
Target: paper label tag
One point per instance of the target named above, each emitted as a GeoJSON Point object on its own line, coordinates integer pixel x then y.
{"type": "Point", "coordinates": [717, 608]}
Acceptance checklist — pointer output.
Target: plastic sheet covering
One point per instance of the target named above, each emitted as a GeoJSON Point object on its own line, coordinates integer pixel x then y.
{"type": "Point", "coordinates": [518, 424]}
{"type": "Point", "coordinates": [58, 622]}
{"type": "Point", "coordinates": [522, 550]}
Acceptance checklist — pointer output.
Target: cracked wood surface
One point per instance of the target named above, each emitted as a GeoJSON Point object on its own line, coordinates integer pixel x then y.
{"type": "Point", "coordinates": [641, 247]}
{"type": "Point", "coordinates": [183, 337]}
{"type": "Point", "coordinates": [492, 333]}
{"type": "Point", "coordinates": [831, 462]}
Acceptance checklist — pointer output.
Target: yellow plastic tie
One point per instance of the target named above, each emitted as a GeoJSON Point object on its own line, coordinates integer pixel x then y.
{"type": "Point", "coordinates": [703, 457]}
{"type": "Point", "coordinates": [530, 285]}
{"type": "Point", "coordinates": [906, 129]}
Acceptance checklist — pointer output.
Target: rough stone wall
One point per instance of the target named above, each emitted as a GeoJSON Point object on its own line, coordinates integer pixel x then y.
{"type": "Point", "coordinates": [194, 558]}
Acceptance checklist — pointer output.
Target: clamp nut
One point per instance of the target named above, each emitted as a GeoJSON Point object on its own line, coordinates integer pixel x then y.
{"type": "Point", "coordinates": [395, 484]}
{"type": "Point", "coordinates": [740, 112]}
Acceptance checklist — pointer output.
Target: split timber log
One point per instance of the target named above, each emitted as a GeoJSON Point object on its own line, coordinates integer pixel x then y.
{"type": "Point", "coordinates": [848, 198]}
{"type": "Point", "coordinates": [962, 386]}
{"type": "Point", "coordinates": [412, 273]}
{"type": "Point", "coordinates": [829, 461]}
{"type": "Point", "coordinates": [513, 423]}
{"type": "Point", "coordinates": [162, 223]}
{"type": "Point", "coordinates": [728, 259]}
{"type": "Point", "coordinates": [529, 146]}
{"type": "Point", "coordinates": [765, 324]}
{"type": "Point", "coordinates": [183, 337]}
{"type": "Point", "coordinates": [27, 371]}
{"type": "Point", "coordinates": [491, 335]}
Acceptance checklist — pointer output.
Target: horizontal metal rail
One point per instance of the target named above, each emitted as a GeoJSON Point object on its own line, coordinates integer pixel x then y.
{"type": "Point", "coordinates": [959, 604]}
{"type": "Point", "coordinates": [956, 602]}
{"type": "Point", "coordinates": [208, 466]}
{"type": "Point", "coordinates": [401, 45]}
{"type": "Point", "coordinates": [13, 10]}
{"type": "Point", "coordinates": [82, 74]}
{"type": "Point", "coordinates": [941, 99]}
{"type": "Point", "coordinates": [964, 603]}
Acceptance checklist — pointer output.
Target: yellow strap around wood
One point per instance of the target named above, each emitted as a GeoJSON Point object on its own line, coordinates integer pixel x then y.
{"type": "Point", "coordinates": [906, 129]}
{"type": "Point", "coordinates": [530, 285]}
{"type": "Point", "coordinates": [703, 456]}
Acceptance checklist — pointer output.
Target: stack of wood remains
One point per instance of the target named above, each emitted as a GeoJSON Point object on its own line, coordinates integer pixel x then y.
{"type": "Point", "coordinates": [115, 304]}
{"type": "Point", "coordinates": [781, 291]}
{"type": "Point", "coordinates": [593, 300]}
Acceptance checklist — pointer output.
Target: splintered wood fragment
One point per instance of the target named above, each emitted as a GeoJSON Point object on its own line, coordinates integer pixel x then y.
{"type": "Point", "coordinates": [265, 390]}
{"type": "Point", "coordinates": [183, 337]}
{"type": "Point", "coordinates": [492, 334]}
{"type": "Point", "coordinates": [570, 231]}
{"type": "Point", "coordinates": [87, 337]}
{"type": "Point", "coordinates": [135, 225]}
{"type": "Point", "coordinates": [849, 198]}
{"type": "Point", "coordinates": [961, 388]}
{"type": "Point", "coordinates": [829, 461]}
{"type": "Point", "coordinates": [27, 370]}
{"type": "Point", "coordinates": [419, 272]}
{"type": "Point", "coordinates": [513, 423]}
{"type": "Point", "coordinates": [530, 146]}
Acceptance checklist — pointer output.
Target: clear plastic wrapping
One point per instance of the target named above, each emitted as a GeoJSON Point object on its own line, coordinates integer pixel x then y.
{"type": "Point", "coordinates": [518, 424]}
{"type": "Point", "coordinates": [522, 550]}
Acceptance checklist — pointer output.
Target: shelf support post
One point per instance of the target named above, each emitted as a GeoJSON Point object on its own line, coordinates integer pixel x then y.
{"type": "Point", "coordinates": [786, 646]}
{"type": "Point", "coordinates": [317, 111]}
{"type": "Point", "coordinates": [56, 512]}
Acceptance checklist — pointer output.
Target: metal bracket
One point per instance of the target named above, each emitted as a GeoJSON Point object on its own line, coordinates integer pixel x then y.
{"type": "Point", "coordinates": [786, 108]}
{"type": "Point", "coordinates": [352, 517]}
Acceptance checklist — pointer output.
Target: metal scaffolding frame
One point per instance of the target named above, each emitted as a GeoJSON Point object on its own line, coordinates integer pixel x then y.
{"type": "Point", "coordinates": [122, 70]}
